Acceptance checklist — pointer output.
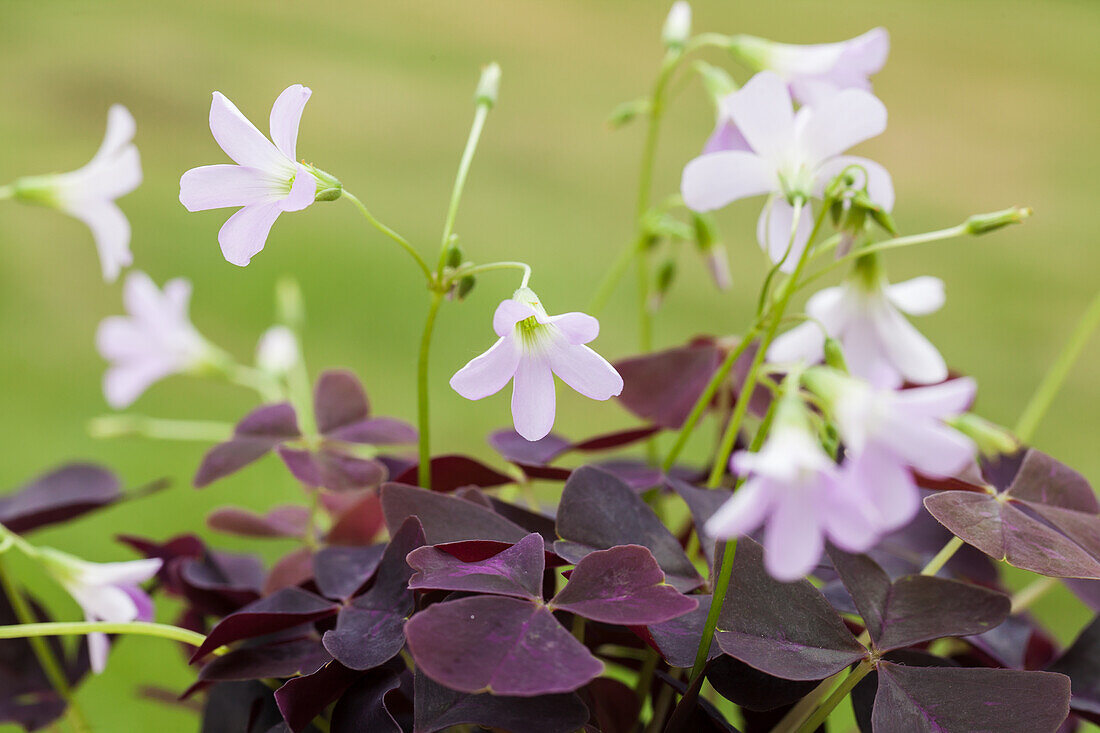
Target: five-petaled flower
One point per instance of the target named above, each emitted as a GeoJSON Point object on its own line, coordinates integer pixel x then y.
{"type": "Point", "coordinates": [816, 71]}
{"type": "Point", "coordinates": [532, 348]}
{"type": "Point", "coordinates": [155, 340]}
{"type": "Point", "coordinates": [795, 489]}
{"type": "Point", "coordinates": [89, 193]}
{"type": "Point", "coordinates": [864, 313]}
{"type": "Point", "coordinates": [791, 157]}
{"type": "Point", "coordinates": [266, 180]}
{"type": "Point", "coordinates": [105, 592]}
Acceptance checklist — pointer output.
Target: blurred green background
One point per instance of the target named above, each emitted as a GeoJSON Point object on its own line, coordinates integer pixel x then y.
{"type": "Point", "coordinates": [992, 103]}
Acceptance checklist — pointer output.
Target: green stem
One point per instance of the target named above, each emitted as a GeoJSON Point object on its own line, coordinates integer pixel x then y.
{"type": "Point", "coordinates": [46, 659]}
{"type": "Point", "coordinates": [1059, 370]}
{"type": "Point", "coordinates": [81, 628]}
{"type": "Point", "coordinates": [645, 675]}
{"type": "Point", "coordinates": [802, 709]}
{"type": "Point", "coordinates": [814, 721]}
{"type": "Point", "coordinates": [263, 383]}
{"type": "Point", "coordinates": [491, 266]}
{"type": "Point", "coordinates": [424, 472]}
{"type": "Point", "coordinates": [1027, 595]}
{"type": "Point", "coordinates": [946, 553]}
{"type": "Point", "coordinates": [404, 243]}
{"type": "Point", "coordinates": [117, 426]}
{"type": "Point", "coordinates": [482, 112]}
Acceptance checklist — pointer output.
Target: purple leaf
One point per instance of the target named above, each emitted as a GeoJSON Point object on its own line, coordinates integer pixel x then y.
{"type": "Point", "coordinates": [916, 608]}
{"type": "Point", "coordinates": [863, 694]}
{"type": "Point", "coordinates": [1087, 590]}
{"type": "Point", "coordinates": [694, 714]}
{"type": "Point", "coordinates": [330, 469]}
{"type": "Point", "coordinates": [1081, 663]}
{"type": "Point", "coordinates": [358, 519]}
{"type": "Point", "coordinates": [341, 571]}
{"type": "Point", "coordinates": [293, 568]}
{"type": "Point", "coordinates": [1000, 528]}
{"type": "Point", "coordinates": [957, 700]}
{"type": "Point", "coordinates": [286, 609]}
{"type": "Point", "coordinates": [678, 639]}
{"type": "Point", "coordinates": [529, 520]}
{"type": "Point", "coordinates": [240, 707]}
{"type": "Point", "coordinates": [622, 585]}
{"type": "Point", "coordinates": [438, 707]}
{"type": "Point", "coordinates": [364, 708]}
{"type": "Point", "coordinates": [339, 400]}
{"type": "Point", "coordinates": [282, 521]}
{"type": "Point", "coordinates": [376, 431]}
{"type": "Point", "coordinates": [369, 631]}
{"type": "Point", "coordinates": [281, 659]}
{"type": "Point", "coordinates": [1006, 645]}
{"type": "Point", "coordinates": [635, 473]}
{"type": "Point", "coordinates": [787, 630]}
{"type": "Point", "coordinates": [617, 439]}
{"type": "Point", "coordinates": [454, 471]}
{"type": "Point", "coordinates": [599, 511]}
{"type": "Point", "coordinates": [302, 699]}
{"type": "Point", "coordinates": [501, 645]}
{"type": "Point", "coordinates": [445, 518]}
{"type": "Point", "coordinates": [219, 583]}
{"type": "Point", "coordinates": [752, 689]}
{"type": "Point", "coordinates": [614, 707]}
{"type": "Point", "coordinates": [702, 503]}
{"type": "Point", "coordinates": [58, 496]}
{"type": "Point", "coordinates": [1043, 480]}
{"type": "Point", "coordinates": [514, 448]}
{"type": "Point", "coordinates": [260, 432]}
{"type": "Point", "coordinates": [664, 386]}
{"type": "Point", "coordinates": [516, 571]}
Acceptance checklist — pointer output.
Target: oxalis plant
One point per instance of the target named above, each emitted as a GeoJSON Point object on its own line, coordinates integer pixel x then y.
{"type": "Point", "coordinates": [844, 538]}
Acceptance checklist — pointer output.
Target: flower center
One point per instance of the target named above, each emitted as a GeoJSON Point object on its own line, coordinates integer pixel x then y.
{"type": "Point", "coordinates": [532, 334]}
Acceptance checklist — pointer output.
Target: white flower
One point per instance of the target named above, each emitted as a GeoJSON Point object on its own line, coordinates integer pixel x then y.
{"type": "Point", "coordinates": [864, 313]}
{"type": "Point", "coordinates": [89, 193]}
{"type": "Point", "coordinates": [154, 341]}
{"type": "Point", "coordinates": [277, 352]}
{"type": "Point", "coordinates": [677, 28]}
{"type": "Point", "coordinates": [105, 591]}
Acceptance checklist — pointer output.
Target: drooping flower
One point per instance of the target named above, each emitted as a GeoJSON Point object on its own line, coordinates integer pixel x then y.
{"type": "Point", "coordinates": [789, 157]}
{"type": "Point", "coordinates": [532, 348]}
{"type": "Point", "coordinates": [794, 489]}
{"type": "Point", "coordinates": [864, 313]}
{"type": "Point", "coordinates": [888, 432]}
{"type": "Point", "coordinates": [105, 591]}
{"type": "Point", "coordinates": [89, 193]}
{"type": "Point", "coordinates": [816, 71]}
{"type": "Point", "coordinates": [155, 340]}
{"type": "Point", "coordinates": [265, 182]}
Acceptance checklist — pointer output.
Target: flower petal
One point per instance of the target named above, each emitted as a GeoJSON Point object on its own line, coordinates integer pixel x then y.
{"type": "Point", "coordinates": [938, 401]}
{"type": "Point", "coordinates": [508, 314]}
{"type": "Point", "coordinates": [726, 136]}
{"type": "Point", "coordinates": [245, 233]}
{"type": "Point", "coordinates": [773, 232]}
{"type": "Point", "coordinates": [713, 180]}
{"type": "Point", "coordinates": [302, 191]}
{"type": "Point", "coordinates": [120, 131]}
{"type": "Point", "coordinates": [533, 403]}
{"type": "Point", "coordinates": [177, 297]}
{"type": "Point", "coordinates": [908, 350]}
{"type": "Point", "coordinates": [793, 540]}
{"type": "Point", "coordinates": [865, 353]}
{"type": "Point", "coordinates": [866, 53]}
{"type": "Point", "coordinates": [119, 338]}
{"type": "Point", "coordinates": [99, 646]}
{"type": "Point", "coordinates": [111, 231]}
{"type": "Point", "coordinates": [839, 122]}
{"type": "Point", "coordinates": [142, 299]}
{"type": "Point", "coordinates": [886, 486]}
{"type": "Point", "coordinates": [129, 572]}
{"type": "Point", "coordinates": [584, 370]}
{"type": "Point", "coordinates": [240, 139]}
{"type": "Point", "coordinates": [105, 602]}
{"type": "Point", "coordinates": [804, 342]}
{"type": "Point", "coordinates": [763, 112]}
{"type": "Point", "coordinates": [917, 297]}
{"type": "Point", "coordinates": [285, 115]}
{"type": "Point", "coordinates": [123, 383]}
{"type": "Point", "coordinates": [488, 373]}
{"type": "Point", "coordinates": [880, 186]}
{"type": "Point", "coordinates": [928, 446]}
{"type": "Point", "coordinates": [219, 186]}
{"type": "Point", "coordinates": [742, 513]}
{"type": "Point", "coordinates": [578, 328]}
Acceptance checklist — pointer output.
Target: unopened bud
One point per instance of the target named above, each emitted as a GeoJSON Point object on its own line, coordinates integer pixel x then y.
{"type": "Point", "coordinates": [677, 28]}
{"type": "Point", "coordinates": [626, 112]}
{"type": "Point", "coordinates": [455, 256]}
{"type": "Point", "coordinates": [834, 355]}
{"type": "Point", "coordinates": [991, 439]}
{"type": "Point", "coordinates": [465, 285]}
{"type": "Point", "coordinates": [329, 187]}
{"type": "Point", "coordinates": [716, 80]}
{"type": "Point", "coordinates": [278, 351]}
{"type": "Point", "coordinates": [982, 223]}
{"type": "Point", "coordinates": [289, 304]}
{"type": "Point", "coordinates": [488, 87]}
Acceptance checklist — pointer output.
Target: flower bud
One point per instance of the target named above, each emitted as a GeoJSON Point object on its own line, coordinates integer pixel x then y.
{"type": "Point", "coordinates": [455, 255]}
{"type": "Point", "coordinates": [625, 113]}
{"type": "Point", "coordinates": [488, 86]}
{"type": "Point", "coordinates": [329, 187]}
{"type": "Point", "coordinates": [991, 439]}
{"type": "Point", "coordinates": [716, 80]}
{"type": "Point", "coordinates": [677, 28]}
{"type": "Point", "coordinates": [982, 223]}
{"type": "Point", "coordinates": [289, 303]}
{"type": "Point", "coordinates": [465, 285]}
{"type": "Point", "coordinates": [278, 352]}
{"type": "Point", "coordinates": [834, 355]}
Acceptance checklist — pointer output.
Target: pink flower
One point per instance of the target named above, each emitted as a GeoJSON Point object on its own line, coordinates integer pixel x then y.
{"type": "Point", "coordinates": [89, 193]}
{"type": "Point", "coordinates": [154, 341]}
{"type": "Point", "coordinates": [266, 180]}
{"type": "Point", "coordinates": [788, 157]}
{"type": "Point", "coordinates": [532, 348]}
{"type": "Point", "coordinates": [888, 432]}
{"type": "Point", "coordinates": [105, 591]}
{"type": "Point", "coordinates": [814, 72]}
{"type": "Point", "coordinates": [794, 488]}
{"type": "Point", "coordinates": [865, 315]}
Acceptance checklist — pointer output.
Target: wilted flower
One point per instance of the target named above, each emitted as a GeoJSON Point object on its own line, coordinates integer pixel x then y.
{"type": "Point", "coordinates": [155, 340]}
{"type": "Point", "coordinates": [89, 193]}
{"type": "Point", "coordinates": [794, 489]}
{"type": "Point", "coordinates": [105, 591]}
{"type": "Point", "coordinates": [532, 348]}
{"type": "Point", "coordinates": [865, 314]}
{"type": "Point", "coordinates": [791, 157]}
{"type": "Point", "coordinates": [266, 180]}
{"type": "Point", "coordinates": [817, 71]}
{"type": "Point", "coordinates": [886, 433]}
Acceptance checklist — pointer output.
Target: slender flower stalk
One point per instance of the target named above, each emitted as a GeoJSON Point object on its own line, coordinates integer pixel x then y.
{"type": "Point", "coordinates": [81, 628]}
{"type": "Point", "coordinates": [815, 721]}
{"type": "Point", "coordinates": [401, 241]}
